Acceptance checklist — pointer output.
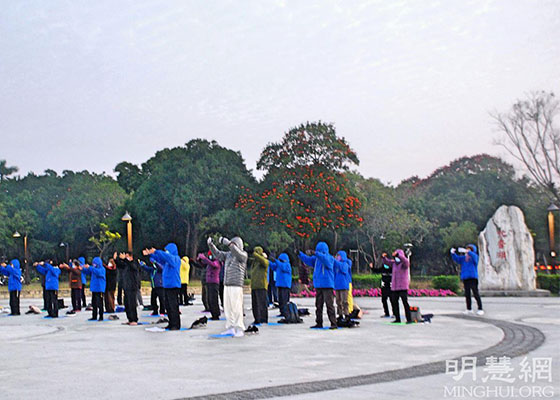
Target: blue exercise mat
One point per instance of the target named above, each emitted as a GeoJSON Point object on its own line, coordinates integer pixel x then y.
{"type": "Point", "coordinates": [221, 336]}
{"type": "Point", "coordinates": [155, 316]}
{"type": "Point", "coordinates": [143, 323]}
{"type": "Point", "coordinates": [182, 329]}
{"type": "Point", "coordinates": [60, 316]}
{"type": "Point", "coordinates": [275, 324]}
{"type": "Point", "coordinates": [214, 320]}
{"type": "Point", "coordinates": [96, 320]}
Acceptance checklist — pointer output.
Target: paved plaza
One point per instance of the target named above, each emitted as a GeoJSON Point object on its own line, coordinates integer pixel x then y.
{"type": "Point", "coordinates": [71, 358]}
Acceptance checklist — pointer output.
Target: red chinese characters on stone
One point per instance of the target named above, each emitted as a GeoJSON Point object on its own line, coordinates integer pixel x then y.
{"type": "Point", "coordinates": [501, 245]}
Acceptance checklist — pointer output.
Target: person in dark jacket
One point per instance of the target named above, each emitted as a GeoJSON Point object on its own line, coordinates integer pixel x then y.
{"type": "Point", "coordinates": [469, 275]}
{"type": "Point", "coordinates": [281, 266]}
{"type": "Point", "coordinates": [13, 272]}
{"type": "Point", "coordinates": [82, 262]}
{"type": "Point", "coordinates": [97, 287]}
{"type": "Point", "coordinates": [342, 280]}
{"type": "Point", "coordinates": [212, 278]}
{"type": "Point", "coordinates": [51, 285]}
{"type": "Point", "coordinates": [386, 272]}
{"type": "Point", "coordinates": [171, 263]}
{"type": "Point", "coordinates": [131, 282]}
{"type": "Point", "coordinates": [155, 270]}
{"type": "Point", "coordinates": [111, 276]}
{"type": "Point", "coordinates": [323, 281]}
{"type": "Point", "coordinates": [75, 283]}
{"type": "Point", "coordinates": [259, 283]}
{"type": "Point", "coordinates": [400, 282]}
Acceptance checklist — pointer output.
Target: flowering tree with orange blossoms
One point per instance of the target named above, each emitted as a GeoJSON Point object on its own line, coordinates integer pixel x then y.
{"type": "Point", "coordinates": [305, 189]}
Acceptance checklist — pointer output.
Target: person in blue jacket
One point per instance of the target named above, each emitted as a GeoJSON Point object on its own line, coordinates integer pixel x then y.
{"type": "Point", "coordinates": [342, 279]}
{"type": "Point", "coordinates": [323, 281]}
{"type": "Point", "coordinates": [82, 262]}
{"type": "Point", "coordinates": [283, 269]}
{"type": "Point", "coordinates": [468, 260]}
{"type": "Point", "coordinates": [171, 263]}
{"type": "Point", "coordinates": [13, 272]}
{"type": "Point", "coordinates": [97, 287]}
{"type": "Point", "coordinates": [51, 286]}
{"type": "Point", "coordinates": [155, 270]}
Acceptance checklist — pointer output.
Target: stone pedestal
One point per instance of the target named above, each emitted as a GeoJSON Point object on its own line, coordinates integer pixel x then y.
{"type": "Point", "coordinates": [507, 256]}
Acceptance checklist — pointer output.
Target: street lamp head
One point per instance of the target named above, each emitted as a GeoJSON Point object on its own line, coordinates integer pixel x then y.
{"type": "Point", "coordinates": [62, 244]}
{"type": "Point", "coordinates": [16, 234]}
{"type": "Point", "coordinates": [126, 217]}
{"type": "Point", "coordinates": [552, 208]}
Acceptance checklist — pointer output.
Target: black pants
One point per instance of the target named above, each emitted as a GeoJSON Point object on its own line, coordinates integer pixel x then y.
{"type": "Point", "coordinates": [204, 296]}
{"type": "Point", "coordinates": [385, 299]}
{"type": "Point", "coordinates": [14, 302]}
{"type": "Point", "coordinates": [259, 303]}
{"type": "Point", "coordinates": [76, 295]}
{"type": "Point", "coordinates": [213, 294]}
{"type": "Point", "coordinates": [84, 303]}
{"type": "Point", "coordinates": [183, 296]}
{"type": "Point", "coordinates": [130, 305]}
{"type": "Point", "coordinates": [97, 304]}
{"type": "Point", "coordinates": [472, 284]}
{"type": "Point", "coordinates": [139, 300]}
{"type": "Point", "coordinates": [283, 299]}
{"type": "Point", "coordinates": [172, 305]}
{"type": "Point", "coordinates": [157, 296]}
{"type": "Point", "coordinates": [120, 295]}
{"type": "Point", "coordinates": [272, 292]}
{"type": "Point", "coordinates": [326, 296]}
{"type": "Point", "coordinates": [222, 293]}
{"type": "Point", "coordinates": [44, 298]}
{"type": "Point", "coordinates": [403, 295]}
{"type": "Point", "coordinates": [52, 303]}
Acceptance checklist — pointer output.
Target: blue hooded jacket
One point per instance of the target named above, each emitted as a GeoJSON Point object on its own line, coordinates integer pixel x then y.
{"type": "Point", "coordinates": [82, 262]}
{"type": "Point", "coordinates": [155, 272]}
{"type": "Point", "coordinates": [13, 271]}
{"type": "Point", "coordinates": [171, 264]}
{"type": "Point", "coordinates": [283, 271]}
{"type": "Point", "coordinates": [323, 264]}
{"type": "Point", "coordinates": [342, 272]}
{"type": "Point", "coordinates": [51, 275]}
{"type": "Point", "coordinates": [97, 271]}
{"type": "Point", "coordinates": [469, 263]}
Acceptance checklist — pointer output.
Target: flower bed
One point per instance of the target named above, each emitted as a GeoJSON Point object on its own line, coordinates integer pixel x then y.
{"type": "Point", "coordinates": [376, 292]}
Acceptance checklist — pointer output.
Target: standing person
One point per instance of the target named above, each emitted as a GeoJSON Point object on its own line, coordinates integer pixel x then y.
{"type": "Point", "coordinates": [399, 283]}
{"type": "Point", "coordinates": [185, 270]}
{"type": "Point", "coordinates": [75, 283]}
{"type": "Point", "coordinates": [97, 287]}
{"type": "Point", "coordinates": [235, 265]}
{"type": "Point", "coordinates": [51, 285]}
{"type": "Point", "coordinates": [212, 278]}
{"type": "Point", "coordinates": [323, 281]}
{"type": "Point", "coordinates": [342, 279]}
{"type": "Point", "coordinates": [120, 285]}
{"type": "Point", "coordinates": [259, 294]}
{"type": "Point", "coordinates": [469, 275]}
{"type": "Point", "coordinates": [281, 266]}
{"type": "Point", "coordinates": [13, 272]}
{"type": "Point", "coordinates": [82, 262]}
{"type": "Point", "coordinates": [111, 278]}
{"type": "Point", "coordinates": [221, 287]}
{"type": "Point", "coordinates": [157, 295]}
{"type": "Point", "coordinates": [171, 264]}
{"type": "Point", "coordinates": [272, 290]}
{"type": "Point", "coordinates": [129, 270]}
{"type": "Point", "coordinates": [386, 277]}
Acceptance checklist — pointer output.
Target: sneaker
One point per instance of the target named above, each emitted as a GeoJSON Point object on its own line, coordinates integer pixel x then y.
{"type": "Point", "coordinates": [480, 312]}
{"type": "Point", "coordinates": [238, 333]}
{"type": "Point", "coordinates": [92, 319]}
{"type": "Point", "coordinates": [252, 329]}
{"type": "Point", "coordinates": [318, 326]}
{"type": "Point", "coordinates": [333, 327]}
{"type": "Point", "coordinates": [468, 312]}
{"type": "Point", "coordinates": [230, 331]}
{"type": "Point", "coordinates": [410, 322]}
{"type": "Point", "coordinates": [385, 316]}
{"type": "Point", "coordinates": [70, 312]}
{"type": "Point", "coordinates": [397, 321]}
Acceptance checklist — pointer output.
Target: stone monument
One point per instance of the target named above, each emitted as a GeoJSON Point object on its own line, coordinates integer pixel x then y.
{"type": "Point", "coordinates": [506, 255]}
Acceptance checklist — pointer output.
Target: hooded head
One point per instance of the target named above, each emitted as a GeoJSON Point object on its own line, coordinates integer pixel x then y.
{"type": "Point", "coordinates": [258, 250]}
{"type": "Point", "coordinates": [210, 255]}
{"type": "Point", "coordinates": [172, 248]}
{"type": "Point", "coordinates": [82, 261]}
{"type": "Point", "coordinates": [238, 242]}
{"type": "Point", "coordinates": [15, 263]}
{"type": "Point", "coordinates": [185, 259]}
{"type": "Point", "coordinates": [322, 247]}
{"type": "Point", "coordinates": [342, 255]}
{"type": "Point", "coordinates": [97, 263]}
{"type": "Point", "coordinates": [284, 257]}
{"type": "Point", "coordinates": [473, 247]}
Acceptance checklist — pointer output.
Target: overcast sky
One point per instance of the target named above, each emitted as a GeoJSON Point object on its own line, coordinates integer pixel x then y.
{"type": "Point", "coordinates": [87, 84]}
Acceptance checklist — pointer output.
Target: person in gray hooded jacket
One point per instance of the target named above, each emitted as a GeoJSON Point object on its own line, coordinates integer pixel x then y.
{"type": "Point", "coordinates": [235, 265]}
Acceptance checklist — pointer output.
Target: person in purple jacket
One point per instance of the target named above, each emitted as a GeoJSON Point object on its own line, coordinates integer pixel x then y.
{"type": "Point", "coordinates": [399, 283]}
{"type": "Point", "coordinates": [213, 268]}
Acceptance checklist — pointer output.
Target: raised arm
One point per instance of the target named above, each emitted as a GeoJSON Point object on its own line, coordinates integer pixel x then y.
{"type": "Point", "coordinates": [307, 260]}
{"type": "Point", "coordinates": [220, 255]}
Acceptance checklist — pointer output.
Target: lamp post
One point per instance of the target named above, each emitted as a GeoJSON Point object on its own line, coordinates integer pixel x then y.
{"type": "Point", "coordinates": [17, 235]}
{"type": "Point", "coordinates": [64, 244]}
{"type": "Point", "coordinates": [128, 219]}
{"type": "Point", "coordinates": [552, 208]}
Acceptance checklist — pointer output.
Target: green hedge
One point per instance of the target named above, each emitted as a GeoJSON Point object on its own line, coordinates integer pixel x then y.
{"type": "Point", "coordinates": [446, 282]}
{"type": "Point", "coordinates": [549, 282]}
{"type": "Point", "coordinates": [366, 281]}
